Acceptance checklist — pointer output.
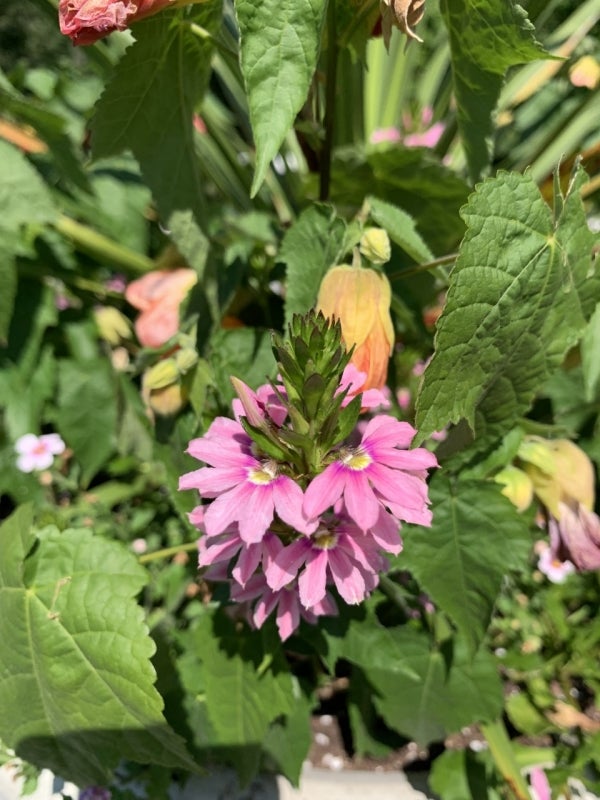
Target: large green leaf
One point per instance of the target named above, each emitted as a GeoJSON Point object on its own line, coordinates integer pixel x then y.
{"type": "Point", "coordinates": [475, 538]}
{"type": "Point", "coordinates": [310, 247]}
{"type": "Point", "coordinates": [149, 106]}
{"type": "Point", "coordinates": [520, 294]}
{"type": "Point", "coordinates": [280, 41]}
{"type": "Point", "coordinates": [76, 681]}
{"type": "Point", "coordinates": [441, 699]}
{"type": "Point", "coordinates": [87, 412]}
{"type": "Point", "coordinates": [486, 38]}
{"type": "Point", "coordinates": [8, 281]}
{"type": "Point", "coordinates": [246, 686]}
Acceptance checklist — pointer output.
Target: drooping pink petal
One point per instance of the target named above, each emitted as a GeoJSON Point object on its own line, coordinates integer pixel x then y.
{"type": "Point", "coordinates": [222, 550]}
{"type": "Point", "coordinates": [387, 431]}
{"type": "Point", "coordinates": [346, 576]}
{"type": "Point", "coordinates": [361, 503]}
{"type": "Point", "coordinates": [288, 499]}
{"type": "Point", "coordinates": [256, 513]}
{"type": "Point", "coordinates": [399, 487]}
{"type": "Point", "coordinates": [249, 559]}
{"type": "Point", "coordinates": [311, 582]}
{"type": "Point", "coordinates": [386, 533]}
{"type": "Point", "coordinates": [288, 614]}
{"type": "Point", "coordinates": [225, 510]}
{"type": "Point", "coordinates": [284, 567]}
{"type": "Point", "coordinates": [411, 460]}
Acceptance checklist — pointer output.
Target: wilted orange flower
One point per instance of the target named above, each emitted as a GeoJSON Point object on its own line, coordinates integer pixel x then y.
{"type": "Point", "coordinates": [360, 299]}
{"type": "Point", "coordinates": [86, 21]}
{"type": "Point", "coordinates": [158, 295]}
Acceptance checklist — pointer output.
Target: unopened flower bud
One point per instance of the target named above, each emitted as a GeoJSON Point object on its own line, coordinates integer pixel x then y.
{"type": "Point", "coordinates": [112, 326]}
{"type": "Point", "coordinates": [517, 486]}
{"type": "Point", "coordinates": [161, 374]}
{"type": "Point", "coordinates": [375, 245]}
{"type": "Point", "coordinates": [560, 472]}
{"type": "Point", "coordinates": [360, 299]}
{"type": "Point", "coordinates": [185, 359]}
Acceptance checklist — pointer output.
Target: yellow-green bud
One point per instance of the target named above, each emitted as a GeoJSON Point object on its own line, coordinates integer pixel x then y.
{"type": "Point", "coordinates": [375, 245]}
{"type": "Point", "coordinates": [161, 374]}
{"type": "Point", "coordinates": [186, 358]}
{"type": "Point", "coordinates": [112, 326]}
{"type": "Point", "coordinates": [517, 486]}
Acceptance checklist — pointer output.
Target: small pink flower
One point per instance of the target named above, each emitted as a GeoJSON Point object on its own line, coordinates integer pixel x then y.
{"type": "Point", "coordinates": [381, 135]}
{"type": "Point", "coordinates": [37, 452]}
{"type": "Point", "coordinates": [353, 379]}
{"type": "Point", "coordinates": [337, 550]}
{"type": "Point", "coordinates": [247, 490]}
{"type": "Point", "coordinates": [380, 471]}
{"type": "Point", "coordinates": [139, 546]}
{"type": "Point", "coordinates": [404, 398]}
{"type": "Point", "coordinates": [555, 570]}
{"type": "Point", "coordinates": [539, 784]}
{"type": "Point", "coordinates": [428, 138]}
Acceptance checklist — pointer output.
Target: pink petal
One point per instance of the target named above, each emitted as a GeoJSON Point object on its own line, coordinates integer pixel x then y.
{"type": "Point", "coordinates": [248, 561]}
{"type": "Point", "coordinates": [284, 567]}
{"type": "Point", "coordinates": [347, 577]}
{"type": "Point", "coordinates": [387, 431]}
{"type": "Point", "coordinates": [288, 498]}
{"type": "Point", "coordinates": [224, 510]}
{"type": "Point", "coordinates": [256, 512]}
{"type": "Point", "coordinates": [213, 481]}
{"type": "Point", "coordinates": [361, 503]}
{"type": "Point", "coordinates": [219, 551]}
{"type": "Point", "coordinates": [386, 533]}
{"type": "Point", "coordinates": [324, 490]}
{"type": "Point", "coordinates": [412, 460]}
{"type": "Point", "coordinates": [312, 581]}
{"type": "Point", "coordinates": [288, 615]}
{"type": "Point", "coordinates": [398, 487]}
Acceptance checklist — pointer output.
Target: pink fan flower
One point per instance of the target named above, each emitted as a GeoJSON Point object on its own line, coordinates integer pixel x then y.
{"type": "Point", "coordinates": [353, 379]}
{"type": "Point", "coordinates": [285, 602]}
{"type": "Point", "coordinates": [338, 550]}
{"type": "Point", "coordinates": [247, 489]}
{"type": "Point", "coordinates": [37, 452]}
{"type": "Point", "coordinates": [378, 472]}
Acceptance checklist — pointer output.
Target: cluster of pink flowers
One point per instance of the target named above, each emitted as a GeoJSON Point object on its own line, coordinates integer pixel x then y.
{"type": "Point", "coordinates": [287, 541]}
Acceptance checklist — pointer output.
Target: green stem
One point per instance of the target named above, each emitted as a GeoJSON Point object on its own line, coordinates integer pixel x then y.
{"type": "Point", "coordinates": [101, 247]}
{"type": "Point", "coordinates": [167, 552]}
{"type": "Point", "coordinates": [437, 262]}
{"type": "Point", "coordinates": [504, 758]}
{"type": "Point", "coordinates": [391, 589]}
{"type": "Point", "coordinates": [330, 94]}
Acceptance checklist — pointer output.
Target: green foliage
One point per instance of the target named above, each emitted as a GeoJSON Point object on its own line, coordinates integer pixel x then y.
{"type": "Point", "coordinates": [280, 43]}
{"type": "Point", "coordinates": [520, 295]}
{"type": "Point", "coordinates": [486, 38]}
{"type": "Point", "coordinates": [77, 682]}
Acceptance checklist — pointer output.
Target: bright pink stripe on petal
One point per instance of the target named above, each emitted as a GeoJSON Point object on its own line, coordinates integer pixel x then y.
{"type": "Point", "coordinates": [312, 580]}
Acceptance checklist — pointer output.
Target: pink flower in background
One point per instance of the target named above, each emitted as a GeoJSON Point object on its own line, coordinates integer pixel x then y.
{"type": "Point", "coordinates": [575, 536]}
{"type": "Point", "coordinates": [158, 295]}
{"type": "Point", "coordinates": [539, 784]}
{"type": "Point", "coordinates": [380, 135]}
{"type": "Point", "coordinates": [86, 21]}
{"type": "Point", "coordinates": [247, 490]}
{"type": "Point", "coordinates": [380, 471]}
{"type": "Point", "coordinates": [353, 379]}
{"type": "Point", "coordinates": [37, 452]}
{"type": "Point", "coordinates": [428, 138]}
{"type": "Point", "coordinates": [555, 570]}
{"type": "Point", "coordinates": [259, 407]}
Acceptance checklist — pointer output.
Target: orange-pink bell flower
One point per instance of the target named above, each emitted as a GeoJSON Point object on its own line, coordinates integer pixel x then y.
{"type": "Point", "coordinates": [360, 299]}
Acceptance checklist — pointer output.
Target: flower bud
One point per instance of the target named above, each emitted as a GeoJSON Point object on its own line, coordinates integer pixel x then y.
{"type": "Point", "coordinates": [112, 326]}
{"type": "Point", "coordinates": [360, 299]}
{"type": "Point", "coordinates": [185, 359]}
{"type": "Point", "coordinates": [375, 245]}
{"type": "Point", "coordinates": [560, 471]}
{"type": "Point", "coordinates": [517, 486]}
{"type": "Point", "coordinates": [161, 374]}
{"type": "Point", "coordinates": [168, 400]}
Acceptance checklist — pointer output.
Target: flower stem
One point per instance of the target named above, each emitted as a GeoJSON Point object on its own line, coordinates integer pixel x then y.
{"type": "Point", "coordinates": [330, 93]}
{"type": "Point", "coordinates": [167, 552]}
{"type": "Point", "coordinates": [504, 758]}
{"type": "Point", "coordinates": [437, 262]}
{"type": "Point", "coordinates": [101, 247]}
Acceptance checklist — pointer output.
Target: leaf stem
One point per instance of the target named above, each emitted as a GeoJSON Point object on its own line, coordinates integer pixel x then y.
{"type": "Point", "coordinates": [504, 758]}
{"type": "Point", "coordinates": [167, 552]}
{"type": "Point", "coordinates": [330, 95]}
{"type": "Point", "coordinates": [437, 262]}
{"type": "Point", "coordinates": [101, 247]}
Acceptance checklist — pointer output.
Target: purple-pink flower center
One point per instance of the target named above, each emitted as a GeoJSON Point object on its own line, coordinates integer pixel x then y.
{"type": "Point", "coordinates": [355, 458]}
{"type": "Point", "coordinates": [264, 474]}
{"type": "Point", "coordinates": [324, 539]}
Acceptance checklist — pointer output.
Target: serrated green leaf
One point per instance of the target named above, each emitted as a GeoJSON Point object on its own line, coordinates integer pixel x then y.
{"type": "Point", "coordinates": [486, 38]}
{"type": "Point", "coordinates": [400, 227]}
{"type": "Point", "coordinates": [441, 699]}
{"type": "Point", "coordinates": [280, 42]}
{"type": "Point", "coordinates": [247, 686]}
{"type": "Point", "coordinates": [519, 297]}
{"type": "Point", "coordinates": [76, 681]}
{"type": "Point", "coordinates": [87, 412]}
{"type": "Point", "coordinates": [312, 245]}
{"type": "Point", "coordinates": [475, 538]}
{"type": "Point", "coordinates": [148, 107]}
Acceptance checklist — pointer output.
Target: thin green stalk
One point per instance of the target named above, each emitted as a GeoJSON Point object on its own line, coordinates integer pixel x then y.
{"type": "Point", "coordinates": [101, 247]}
{"type": "Point", "coordinates": [167, 552]}
{"type": "Point", "coordinates": [504, 758]}
{"type": "Point", "coordinates": [330, 94]}
{"type": "Point", "coordinates": [437, 262]}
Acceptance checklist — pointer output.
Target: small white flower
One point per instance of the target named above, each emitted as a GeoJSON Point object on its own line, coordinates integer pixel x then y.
{"type": "Point", "coordinates": [37, 452]}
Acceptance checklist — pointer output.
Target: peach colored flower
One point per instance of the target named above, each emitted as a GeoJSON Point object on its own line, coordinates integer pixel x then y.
{"type": "Point", "coordinates": [360, 299]}
{"type": "Point", "coordinates": [158, 295]}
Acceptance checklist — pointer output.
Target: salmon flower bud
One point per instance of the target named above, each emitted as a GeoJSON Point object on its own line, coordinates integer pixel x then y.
{"type": "Point", "coordinates": [517, 486]}
{"type": "Point", "coordinates": [560, 471]}
{"type": "Point", "coordinates": [360, 299]}
{"type": "Point", "coordinates": [86, 21]}
{"type": "Point", "coordinates": [375, 245]}
{"type": "Point", "coordinates": [158, 295]}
